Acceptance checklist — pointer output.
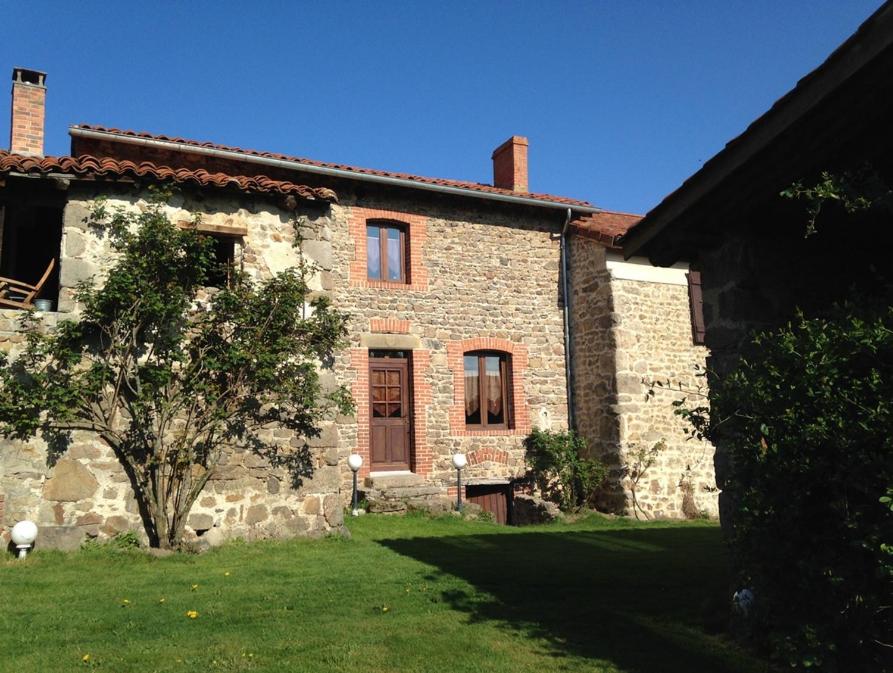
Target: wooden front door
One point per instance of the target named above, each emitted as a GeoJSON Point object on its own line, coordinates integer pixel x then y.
{"type": "Point", "coordinates": [390, 413]}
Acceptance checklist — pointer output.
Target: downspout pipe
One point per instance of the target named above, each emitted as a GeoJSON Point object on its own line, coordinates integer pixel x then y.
{"type": "Point", "coordinates": [566, 296]}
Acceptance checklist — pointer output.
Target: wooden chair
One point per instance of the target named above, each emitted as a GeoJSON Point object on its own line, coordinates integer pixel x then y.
{"type": "Point", "coordinates": [16, 294]}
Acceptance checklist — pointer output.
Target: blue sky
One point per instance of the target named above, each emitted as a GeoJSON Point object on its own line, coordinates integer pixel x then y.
{"type": "Point", "coordinates": [621, 100]}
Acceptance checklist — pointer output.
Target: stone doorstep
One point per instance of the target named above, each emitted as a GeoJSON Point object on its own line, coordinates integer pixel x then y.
{"type": "Point", "coordinates": [389, 481]}
{"type": "Point", "coordinates": [436, 505]}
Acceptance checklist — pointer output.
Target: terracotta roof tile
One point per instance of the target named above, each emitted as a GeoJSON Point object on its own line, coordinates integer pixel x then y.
{"type": "Point", "coordinates": [472, 186]}
{"type": "Point", "coordinates": [87, 165]}
{"type": "Point", "coordinates": [605, 226]}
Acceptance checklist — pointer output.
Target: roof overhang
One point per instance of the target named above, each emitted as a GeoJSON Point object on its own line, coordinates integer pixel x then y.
{"type": "Point", "coordinates": [682, 207]}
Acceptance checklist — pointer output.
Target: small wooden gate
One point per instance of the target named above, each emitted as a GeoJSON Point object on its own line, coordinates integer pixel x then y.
{"type": "Point", "coordinates": [493, 498]}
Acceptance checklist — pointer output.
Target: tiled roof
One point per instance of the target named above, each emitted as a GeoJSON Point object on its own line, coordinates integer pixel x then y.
{"type": "Point", "coordinates": [87, 165]}
{"type": "Point", "coordinates": [605, 226]}
{"type": "Point", "coordinates": [472, 186]}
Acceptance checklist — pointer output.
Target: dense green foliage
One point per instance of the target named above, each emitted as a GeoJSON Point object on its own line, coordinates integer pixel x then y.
{"type": "Point", "coordinates": [561, 469]}
{"type": "Point", "coordinates": [807, 420]}
{"type": "Point", "coordinates": [171, 374]}
{"type": "Point", "coordinates": [409, 594]}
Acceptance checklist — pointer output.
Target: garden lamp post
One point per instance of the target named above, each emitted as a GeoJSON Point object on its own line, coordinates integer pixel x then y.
{"type": "Point", "coordinates": [23, 535]}
{"type": "Point", "coordinates": [459, 462]}
{"type": "Point", "coordinates": [355, 462]}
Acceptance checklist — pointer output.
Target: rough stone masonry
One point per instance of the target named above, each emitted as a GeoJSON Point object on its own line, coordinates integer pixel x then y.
{"type": "Point", "coordinates": [480, 277]}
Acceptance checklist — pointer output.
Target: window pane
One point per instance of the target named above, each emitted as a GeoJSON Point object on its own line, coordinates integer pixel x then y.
{"type": "Point", "coordinates": [394, 265]}
{"type": "Point", "coordinates": [493, 390]}
{"type": "Point", "coordinates": [373, 253]}
{"type": "Point", "coordinates": [472, 391]}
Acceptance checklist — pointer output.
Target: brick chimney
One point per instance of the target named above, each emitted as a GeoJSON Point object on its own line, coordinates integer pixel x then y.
{"type": "Point", "coordinates": [29, 95]}
{"type": "Point", "coordinates": [510, 164]}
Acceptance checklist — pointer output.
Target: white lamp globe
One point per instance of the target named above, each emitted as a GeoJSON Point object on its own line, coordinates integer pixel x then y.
{"type": "Point", "coordinates": [24, 533]}
{"type": "Point", "coordinates": [355, 461]}
{"type": "Point", "coordinates": [459, 460]}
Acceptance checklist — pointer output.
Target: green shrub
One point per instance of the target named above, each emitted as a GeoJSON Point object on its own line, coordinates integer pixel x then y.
{"type": "Point", "coordinates": [807, 421]}
{"type": "Point", "coordinates": [560, 469]}
{"type": "Point", "coordinates": [125, 541]}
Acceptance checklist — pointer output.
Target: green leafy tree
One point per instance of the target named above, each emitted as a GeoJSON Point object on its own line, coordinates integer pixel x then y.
{"type": "Point", "coordinates": [806, 423]}
{"type": "Point", "coordinates": [806, 419]}
{"type": "Point", "coordinates": [170, 374]}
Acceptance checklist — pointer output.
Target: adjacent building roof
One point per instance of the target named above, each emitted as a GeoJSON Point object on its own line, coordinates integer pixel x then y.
{"type": "Point", "coordinates": [297, 163]}
{"type": "Point", "coordinates": [93, 167]}
{"type": "Point", "coordinates": [807, 103]}
{"type": "Point", "coordinates": [606, 226]}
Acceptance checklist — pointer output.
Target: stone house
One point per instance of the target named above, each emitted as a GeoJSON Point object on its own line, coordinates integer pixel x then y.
{"type": "Point", "coordinates": [749, 245]}
{"type": "Point", "coordinates": [460, 320]}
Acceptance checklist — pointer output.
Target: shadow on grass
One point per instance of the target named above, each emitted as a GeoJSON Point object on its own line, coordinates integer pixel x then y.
{"type": "Point", "coordinates": [636, 598]}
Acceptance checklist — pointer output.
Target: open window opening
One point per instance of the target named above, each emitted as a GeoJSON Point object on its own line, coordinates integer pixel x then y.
{"type": "Point", "coordinates": [224, 260]}
{"type": "Point", "coordinates": [29, 256]}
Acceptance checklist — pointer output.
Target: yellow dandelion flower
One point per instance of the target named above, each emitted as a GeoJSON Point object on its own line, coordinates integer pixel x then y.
{"type": "Point", "coordinates": [124, 602]}
{"type": "Point", "coordinates": [385, 608]}
{"type": "Point", "coordinates": [192, 614]}
{"type": "Point", "coordinates": [195, 587]}
{"type": "Point", "coordinates": [226, 574]}
{"type": "Point", "coordinates": [161, 600]}
{"type": "Point", "coordinates": [86, 658]}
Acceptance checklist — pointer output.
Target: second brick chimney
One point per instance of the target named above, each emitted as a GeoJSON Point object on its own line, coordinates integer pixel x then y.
{"type": "Point", "coordinates": [510, 164]}
{"type": "Point", "coordinates": [29, 95]}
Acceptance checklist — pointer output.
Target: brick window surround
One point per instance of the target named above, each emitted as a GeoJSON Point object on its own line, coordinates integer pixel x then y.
{"type": "Point", "coordinates": [421, 459]}
{"type": "Point", "coordinates": [455, 353]}
{"type": "Point", "coordinates": [416, 237]}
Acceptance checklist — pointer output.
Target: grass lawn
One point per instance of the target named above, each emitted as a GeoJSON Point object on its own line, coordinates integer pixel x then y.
{"type": "Point", "coordinates": [405, 594]}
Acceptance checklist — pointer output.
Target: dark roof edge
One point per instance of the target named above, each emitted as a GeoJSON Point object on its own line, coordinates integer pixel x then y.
{"type": "Point", "coordinates": [871, 38]}
{"type": "Point", "coordinates": [295, 164]}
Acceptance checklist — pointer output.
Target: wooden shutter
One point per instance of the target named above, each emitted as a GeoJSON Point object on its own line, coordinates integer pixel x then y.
{"type": "Point", "coordinates": [696, 306]}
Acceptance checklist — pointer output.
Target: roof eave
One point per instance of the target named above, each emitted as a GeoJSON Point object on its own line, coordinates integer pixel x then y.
{"type": "Point", "coordinates": [873, 37]}
{"type": "Point", "coordinates": [324, 170]}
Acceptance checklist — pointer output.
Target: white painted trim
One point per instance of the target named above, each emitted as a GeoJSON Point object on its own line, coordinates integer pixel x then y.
{"type": "Point", "coordinates": [639, 268]}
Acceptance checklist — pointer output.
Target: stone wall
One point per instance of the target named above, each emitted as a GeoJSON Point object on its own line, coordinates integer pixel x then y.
{"type": "Point", "coordinates": [763, 270]}
{"type": "Point", "coordinates": [481, 277]}
{"type": "Point", "coordinates": [491, 280]}
{"type": "Point", "coordinates": [86, 493]}
{"type": "Point", "coordinates": [592, 320]}
{"type": "Point", "coordinates": [630, 324]}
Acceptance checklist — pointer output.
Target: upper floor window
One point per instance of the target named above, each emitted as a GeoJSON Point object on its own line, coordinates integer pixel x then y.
{"type": "Point", "coordinates": [488, 390]}
{"type": "Point", "coordinates": [386, 252]}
